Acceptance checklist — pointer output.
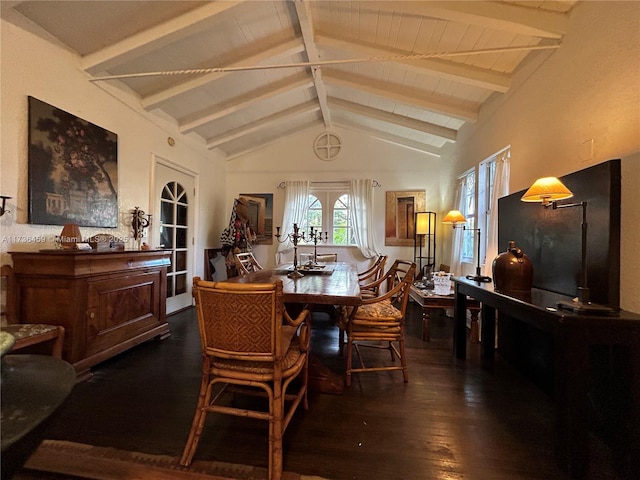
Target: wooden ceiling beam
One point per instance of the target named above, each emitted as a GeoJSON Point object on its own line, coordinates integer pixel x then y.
{"type": "Point", "coordinates": [392, 118]}
{"type": "Point", "coordinates": [466, 74]}
{"type": "Point", "coordinates": [263, 123]}
{"type": "Point", "coordinates": [407, 96]}
{"type": "Point", "coordinates": [245, 101]}
{"type": "Point", "coordinates": [306, 26]}
{"type": "Point", "coordinates": [517, 19]}
{"type": "Point", "coordinates": [387, 137]}
{"type": "Point", "coordinates": [155, 37]}
{"type": "Point", "coordinates": [279, 52]}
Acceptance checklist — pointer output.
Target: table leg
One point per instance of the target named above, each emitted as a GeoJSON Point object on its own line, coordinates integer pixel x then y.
{"type": "Point", "coordinates": [475, 330]}
{"type": "Point", "coordinates": [426, 317]}
{"type": "Point", "coordinates": [488, 332]}
{"type": "Point", "coordinates": [571, 390]}
{"type": "Point", "coordinates": [460, 324]}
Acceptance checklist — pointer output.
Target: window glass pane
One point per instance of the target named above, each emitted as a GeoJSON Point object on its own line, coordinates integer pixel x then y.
{"type": "Point", "coordinates": [181, 283]}
{"type": "Point", "coordinates": [166, 236]}
{"type": "Point", "coordinates": [181, 260]}
{"type": "Point", "coordinates": [169, 287]}
{"type": "Point", "coordinates": [181, 238]}
{"type": "Point", "coordinates": [182, 214]}
{"type": "Point", "coordinates": [167, 192]}
{"type": "Point", "coordinates": [341, 228]}
{"type": "Point", "coordinates": [166, 212]}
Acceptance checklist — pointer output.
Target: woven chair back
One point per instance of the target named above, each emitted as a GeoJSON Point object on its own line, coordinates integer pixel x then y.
{"type": "Point", "coordinates": [401, 274]}
{"type": "Point", "coordinates": [240, 321]}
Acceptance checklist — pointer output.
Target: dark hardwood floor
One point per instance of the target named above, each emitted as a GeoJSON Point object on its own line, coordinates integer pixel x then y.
{"type": "Point", "coordinates": [453, 420]}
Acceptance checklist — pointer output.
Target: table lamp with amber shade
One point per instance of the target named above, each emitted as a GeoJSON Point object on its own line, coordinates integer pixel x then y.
{"type": "Point", "coordinates": [548, 191]}
{"type": "Point", "coordinates": [455, 218]}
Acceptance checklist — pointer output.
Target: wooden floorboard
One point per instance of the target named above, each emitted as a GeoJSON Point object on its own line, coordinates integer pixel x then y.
{"type": "Point", "coordinates": [453, 420]}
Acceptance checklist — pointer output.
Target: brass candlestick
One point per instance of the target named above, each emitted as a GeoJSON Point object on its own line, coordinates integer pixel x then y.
{"type": "Point", "coordinates": [294, 238]}
{"type": "Point", "coordinates": [316, 236]}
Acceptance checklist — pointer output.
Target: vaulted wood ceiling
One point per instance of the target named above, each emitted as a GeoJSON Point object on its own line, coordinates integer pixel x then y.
{"type": "Point", "coordinates": [239, 75]}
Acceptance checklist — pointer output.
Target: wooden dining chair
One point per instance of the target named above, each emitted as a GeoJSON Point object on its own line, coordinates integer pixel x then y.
{"type": "Point", "coordinates": [246, 263]}
{"type": "Point", "coordinates": [372, 274]}
{"type": "Point", "coordinates": [251, 344]}
{"type": "Point", "coordinates": [26, 334]}
{"type": "Point", "coordinates": [379, 322]}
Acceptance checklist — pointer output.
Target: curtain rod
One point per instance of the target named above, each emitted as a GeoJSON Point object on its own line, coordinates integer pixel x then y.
{"type": "Point", "coordinates": [375, 183]}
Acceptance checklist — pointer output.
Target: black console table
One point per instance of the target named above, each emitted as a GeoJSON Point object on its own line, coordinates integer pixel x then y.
{"type": "Point", "coordinates": [573, 337]}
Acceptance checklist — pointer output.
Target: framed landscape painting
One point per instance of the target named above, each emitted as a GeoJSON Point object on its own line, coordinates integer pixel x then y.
{"type": "Point", "coordinates": [399, 229]}
{"type": "Point", "coordinates": [260, 216]}
{"type": "Point", "coordinates": [73, 169]}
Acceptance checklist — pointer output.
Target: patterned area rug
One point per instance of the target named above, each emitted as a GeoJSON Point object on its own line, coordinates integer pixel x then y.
{"type": "Point", "coordinates": [104, 463]}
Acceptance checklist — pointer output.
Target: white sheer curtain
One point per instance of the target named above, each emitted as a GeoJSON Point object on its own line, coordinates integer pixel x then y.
{"type": "Point", "coordinates": [296, 204]}
{"type": "Point", "coordinates": [500, 189]}
{"type": "Point", "coordinates": [456, 242]}
{"type": "Point", "coordinates": [361, 216]}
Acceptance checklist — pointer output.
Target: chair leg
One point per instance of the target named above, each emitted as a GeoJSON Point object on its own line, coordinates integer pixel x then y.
{"type": "Point", "coordinates": [393, 357]}
{"type": "Point", "coordinates": [197, 425]}
{"type": "Point", "coordinates": [347, 380]}
{"type": "Point", "coordinates": [275, 433]}
{"type": "Point", "coordinates": [403, 360]}
{"type": "Point", "coordinates": [58, 343]}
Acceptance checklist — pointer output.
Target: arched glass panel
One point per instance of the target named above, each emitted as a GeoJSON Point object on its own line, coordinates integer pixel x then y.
{"type": "Point", "coordinates": [341, 227]}
{"type": "Point", "coordinates": [174, 217]}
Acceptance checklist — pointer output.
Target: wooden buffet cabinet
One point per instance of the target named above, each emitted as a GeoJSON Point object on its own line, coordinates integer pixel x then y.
{"type": "Point", "coordinates": [107, 302]}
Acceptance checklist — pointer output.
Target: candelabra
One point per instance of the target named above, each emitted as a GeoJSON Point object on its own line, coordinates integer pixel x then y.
{"type": "Point", "coordinates": [315, 236]}
{"type": "Point", "coordinates": [139, 222]}
{"type": "Point", "coordinates": [294, 238]}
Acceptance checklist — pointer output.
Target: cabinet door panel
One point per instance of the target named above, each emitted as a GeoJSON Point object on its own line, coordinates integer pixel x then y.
{"type": "Point", "coordinates": [119, 307]}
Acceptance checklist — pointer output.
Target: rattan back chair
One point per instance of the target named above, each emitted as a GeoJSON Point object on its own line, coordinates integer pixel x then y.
{"type": "Point", "coordinates": [26, 334]}
{"type": "Point", "coordinates": [249, 342]}
{"type": "Point", "coordinates": [379, 322]}
{"type": "Point", "coordinates": [372, 274]}
{"type": "Point", "coordinates": [246, 263]}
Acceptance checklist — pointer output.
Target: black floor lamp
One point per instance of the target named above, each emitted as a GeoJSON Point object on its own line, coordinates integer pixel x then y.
{"type": "Point", "coordinates": [455, 218]}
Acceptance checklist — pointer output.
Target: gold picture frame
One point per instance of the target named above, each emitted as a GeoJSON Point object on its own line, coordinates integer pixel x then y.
{"type": "Point", "coordinates": [400, 209]}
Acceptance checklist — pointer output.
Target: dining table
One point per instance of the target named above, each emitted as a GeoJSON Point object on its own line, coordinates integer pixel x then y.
{"type": "Point", "coordinates": [331, 284]}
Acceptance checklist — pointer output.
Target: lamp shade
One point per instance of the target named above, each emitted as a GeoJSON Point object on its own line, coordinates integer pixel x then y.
{"type": "Point", "coordinates": [546, 190]}
{"type": "Point", "coordinates": [422, 223]}
{"type": "Point", "coordinates": [453, 217]}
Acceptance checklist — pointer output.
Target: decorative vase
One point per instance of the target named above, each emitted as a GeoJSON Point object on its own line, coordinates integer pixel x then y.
{"type": "Point", "coordinates": [513, 272]}
{"type": "Point", "coordinates": [70, 236]}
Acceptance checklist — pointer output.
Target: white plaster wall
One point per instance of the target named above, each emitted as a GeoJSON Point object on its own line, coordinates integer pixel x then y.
{"type": "Point", "coordinates": [31, 66]}
{"type": "Point", "coordinates": [587, 90]}
{"type": "Point", "coordinates": [395, 168]}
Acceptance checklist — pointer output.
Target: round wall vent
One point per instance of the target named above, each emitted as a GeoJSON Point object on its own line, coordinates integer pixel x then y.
{"type": "Point", "coordinates": [327, 146]}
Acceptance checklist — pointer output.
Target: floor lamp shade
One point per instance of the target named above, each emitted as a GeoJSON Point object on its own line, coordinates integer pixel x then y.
{"type": "Point", "coordinates": [425, 236]}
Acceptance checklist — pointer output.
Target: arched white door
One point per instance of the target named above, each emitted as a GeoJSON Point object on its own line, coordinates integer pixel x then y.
{"type": "Point", "coordinates": [173, 229]}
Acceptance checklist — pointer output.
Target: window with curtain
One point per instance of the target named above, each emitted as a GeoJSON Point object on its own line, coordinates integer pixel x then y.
{"type": "Point", "coordinates": [329, 212]}
{"type": "Point", "coordinates": [479, 204]}
{"type": "Point", "coordinates": [468, 209]}
{"type": "Point", "coordinates": [342, 209]}
{"type": "Point", "coordinates": [493, 183]}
